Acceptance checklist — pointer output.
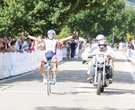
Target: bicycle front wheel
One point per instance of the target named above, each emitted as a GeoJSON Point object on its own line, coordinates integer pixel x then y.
{"type": "Point", "coordinates": [48, 83]}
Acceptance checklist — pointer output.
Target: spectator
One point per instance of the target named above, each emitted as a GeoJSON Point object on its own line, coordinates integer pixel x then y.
{"type": "Point", "coordinates": [133, 42]}
{"type": "Point", "coordinates": [124, 47]}
{"type": "Point", "coordinates": [26, 45]}
{"type": "Point", "coordinates": [1, 45]}
{"type": "Point", "coordinates": [12, 47]}
{"type": "Point", "coordinates": [80, 49]}
{"type": "Point", "coordinates": [32, 46]}
{"type": "Point", "coordinates": [19, 41]}
{"type": "Point", "coordinates": [39, 45]}
{"type": "Point", "coordinates": [64, 49]}
{"type": "Point", "coordinates": [121, 46]}
{"type": "Point", "coordinates": [73, 48]}
{"type": "Point", "coordinates": [130, 45]}
{"type": "Point", "coordinates": [112, 45]}
{"type": "Point", "coordinates": [68, 49]}
{"type": "Point", "coordinates": [6, 44]}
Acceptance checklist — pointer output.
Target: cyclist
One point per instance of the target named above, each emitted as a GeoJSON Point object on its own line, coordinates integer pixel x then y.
{"type": "Point", "coordinates": [50, 53]}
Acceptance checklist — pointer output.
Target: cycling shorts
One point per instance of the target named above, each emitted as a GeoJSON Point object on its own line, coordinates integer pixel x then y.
{"type": "Point", "coordinates": [48, 56]}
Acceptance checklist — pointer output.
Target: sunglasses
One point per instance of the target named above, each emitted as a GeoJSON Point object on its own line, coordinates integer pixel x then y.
{"type": "Point", "coordinates": [51, 34]}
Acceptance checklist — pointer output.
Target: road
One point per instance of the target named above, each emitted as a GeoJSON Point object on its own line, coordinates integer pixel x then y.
{"type": "Point", "coordinates": [72, 91]}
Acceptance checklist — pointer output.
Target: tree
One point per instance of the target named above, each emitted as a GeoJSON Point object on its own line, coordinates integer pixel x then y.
{"type": "Point", "coordinates": [37, 16]}
{"type": "Point", "coordinates": [98, 20]}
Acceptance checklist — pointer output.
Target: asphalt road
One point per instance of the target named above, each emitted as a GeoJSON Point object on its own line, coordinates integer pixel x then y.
{"type": "Point", "coordinates": [72, 91]}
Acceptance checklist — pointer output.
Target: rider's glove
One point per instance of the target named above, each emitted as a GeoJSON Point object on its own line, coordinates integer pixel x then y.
{"type": "Point", "coordinates": [75, 35]}
{"type": "Point", "coordinates": [108, 56]}
{"type": "Point", "coordinates": [26, 34]}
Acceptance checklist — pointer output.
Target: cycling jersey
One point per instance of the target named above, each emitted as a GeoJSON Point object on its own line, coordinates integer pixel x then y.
{"type": "Point", "coordinates": [50, 45]}
{"type": "Point", "coordinates": [50, 48]}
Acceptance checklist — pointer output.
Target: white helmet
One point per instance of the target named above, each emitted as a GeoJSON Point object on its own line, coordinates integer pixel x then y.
{"type": "Point", "coordinates": [51, 33]}
{"type": "Point", "coordinates": [102, 43]}
{"type": "Point", "coordinates": [100, 37]}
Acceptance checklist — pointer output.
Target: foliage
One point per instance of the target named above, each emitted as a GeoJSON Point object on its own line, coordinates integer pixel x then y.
{"type": "Point", "coordinates": [98, 20]}
{"type": "Point", "coordinates": [64, 33]}
{"type": "Point", "coordinates": [39, 16]}
{"type": "Point", "coordinates": [88, 17]}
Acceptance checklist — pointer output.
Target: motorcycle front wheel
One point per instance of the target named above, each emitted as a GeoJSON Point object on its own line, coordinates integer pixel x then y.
{"type": "Point", "coordinates": [102, 89]}
{"type": "Point", "coordinates": [99, 83]}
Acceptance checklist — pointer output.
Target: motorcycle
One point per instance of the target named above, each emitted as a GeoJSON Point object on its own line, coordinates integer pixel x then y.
{"type": "Point", "coordinates": [101, 72]}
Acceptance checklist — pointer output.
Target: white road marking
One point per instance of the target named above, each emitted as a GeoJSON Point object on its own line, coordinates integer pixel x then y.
{"type": "Point", "coordinates": [91, 90]}
{"type": "Point", "coordinates": [85, 68]}
{"type": "Point", "coordinates": [23, 91]}
{"type": "Point", "coordinates": [86, 92]}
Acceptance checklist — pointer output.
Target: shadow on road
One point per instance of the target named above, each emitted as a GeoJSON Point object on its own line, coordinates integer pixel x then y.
{"type": "Point", "coordinates": [114, 91]}
{"type": "Point", "coordinates": [72, 76]}
{"type": "Point", "coordinates": [121, 60]}
{"type": "Point", "coordinates": [123, 77]}
{"type": "Point", "coordinates": [78, 108]}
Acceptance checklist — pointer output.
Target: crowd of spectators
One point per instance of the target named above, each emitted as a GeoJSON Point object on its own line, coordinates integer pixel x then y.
{"type": "Point", "coordinates": [123, 46]}
{"type": "Point", "coordinates": [23, 44]}
{"type": "Point", "coordinates": [11, 45]}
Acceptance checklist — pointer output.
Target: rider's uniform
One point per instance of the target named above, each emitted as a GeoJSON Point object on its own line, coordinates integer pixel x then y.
{"type": "Point", "coordinates": [50, 49]}
{"type": "Point", "coordinates": [95, 46]}
{"type": "Point", "coordinates": [107, 52]}
{"type": "Point", "coordinates": [95, 49]}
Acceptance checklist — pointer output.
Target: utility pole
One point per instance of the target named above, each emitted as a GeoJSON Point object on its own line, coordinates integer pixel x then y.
{"type": "Point", "coordinates": [113, 37]}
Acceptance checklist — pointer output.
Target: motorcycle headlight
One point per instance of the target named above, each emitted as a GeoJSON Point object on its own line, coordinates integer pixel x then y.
{"type": "Point", "coordinates": [100, 60]}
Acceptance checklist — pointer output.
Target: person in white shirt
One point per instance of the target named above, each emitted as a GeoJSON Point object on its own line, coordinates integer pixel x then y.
{"type": "Point", "coordinates": [102, 49]}
{"type": "Point", "coordinates": [19, 42]}
{"type": "Point", "coordinates": [26, 45]}
{"type": "Point", "coordinates": [99, 38]}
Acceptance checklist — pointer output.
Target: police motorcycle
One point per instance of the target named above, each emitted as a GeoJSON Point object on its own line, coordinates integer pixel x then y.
{"type": "Point", "coordinates": [101, 72]}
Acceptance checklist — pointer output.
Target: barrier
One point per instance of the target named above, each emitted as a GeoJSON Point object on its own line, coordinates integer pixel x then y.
{"type": "Point", "coordinates": [5, 65]}
{"type": "Point", "coordinates": [13, 63]}
{"type": "Point", "coordinates": [24, 62]}
{"type": "Point", "coordinates": [131, 55]}
{"type": "Point", "coordinates": [64, 52]}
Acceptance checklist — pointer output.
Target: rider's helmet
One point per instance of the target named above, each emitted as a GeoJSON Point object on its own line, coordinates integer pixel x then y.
{"type": "Point", "coordinates": [51, 33]}
{"type": "Point", "coordinates": [100, 37]}
{"type": "Point", "coordinates": [102, 45]}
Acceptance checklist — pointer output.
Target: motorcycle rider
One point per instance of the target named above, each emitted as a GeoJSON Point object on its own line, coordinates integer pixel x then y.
{"type": "Point", "coordinates": [99, 38]}
{"type": "Point", "coordinates": [101, 48]}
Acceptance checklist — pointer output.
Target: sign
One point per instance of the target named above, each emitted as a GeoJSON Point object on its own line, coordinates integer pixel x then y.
{"type": "Point", "coordinates": [128, 36]}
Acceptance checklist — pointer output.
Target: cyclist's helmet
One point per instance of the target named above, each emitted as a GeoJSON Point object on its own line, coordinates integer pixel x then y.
{"type": "Point", "coordinates": [100, 37]}
{"type": "Point", "coordinates": [51, 33]}
{"type": "Point", "coordinates": [102, 45]}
